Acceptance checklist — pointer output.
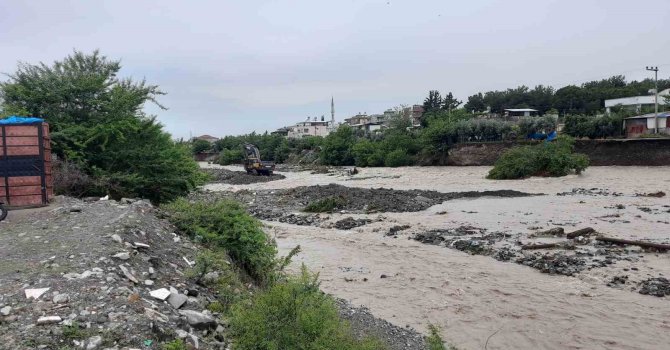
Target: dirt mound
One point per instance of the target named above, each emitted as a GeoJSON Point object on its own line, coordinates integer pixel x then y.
{"type": "Point", "coordinates": [239, 177]}
{"type": "Point", "coordinates": [368, 200]}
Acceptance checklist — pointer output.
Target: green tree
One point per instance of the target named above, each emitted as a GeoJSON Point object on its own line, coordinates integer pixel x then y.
{"type": "Point", "coordinates": [475, 103]}
{"type": "Point", "coordinates": [200, 146]}
{"type": "Point", "coordinates": [337, 146]}
{"type": "Point", "coordinates": [450, 103]}
{"type": "Point", "coordinates": [97, 121]}
{"type": "Point", "coordinates": [433, 102]}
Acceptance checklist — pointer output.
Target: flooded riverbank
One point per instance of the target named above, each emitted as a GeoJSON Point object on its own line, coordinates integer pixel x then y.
{"type": "Point", "coordinates": [477, 299]}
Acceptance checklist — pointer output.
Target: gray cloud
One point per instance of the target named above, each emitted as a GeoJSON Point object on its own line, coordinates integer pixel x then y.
{"type": "Point", "coordinates": [233, 67]}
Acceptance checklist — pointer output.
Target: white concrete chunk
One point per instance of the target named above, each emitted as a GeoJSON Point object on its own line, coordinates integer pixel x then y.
{"type": "Point", "coordinates": [35, 293]}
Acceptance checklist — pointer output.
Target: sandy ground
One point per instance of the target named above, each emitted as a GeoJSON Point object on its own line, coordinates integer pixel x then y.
{"type": "Point", "coordinates": [476, 299]}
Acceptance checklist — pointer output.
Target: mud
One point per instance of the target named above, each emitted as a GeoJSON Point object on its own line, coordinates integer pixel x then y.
{"type": "Point", "coordinates": [470, 277]}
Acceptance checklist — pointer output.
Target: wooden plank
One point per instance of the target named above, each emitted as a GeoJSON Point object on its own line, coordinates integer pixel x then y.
{"type": "Point", "coordinates": [19, 201]}
{"type": "Point", "coordinates": [25, 191]}
{"type": "Point", "coordinates": [24, 181]}
{"type": "Point", "coordinates": [23, 151]}
{"type": "Point", "coordinates": [22, 141]}
{"type": "Point", "coordinates": [21, 130]}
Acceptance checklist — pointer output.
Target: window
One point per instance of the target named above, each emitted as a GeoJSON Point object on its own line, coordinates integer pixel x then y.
{"type": "Point", "coordinates": [306, 130]}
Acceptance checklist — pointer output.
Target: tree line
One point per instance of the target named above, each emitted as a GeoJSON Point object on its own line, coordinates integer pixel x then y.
{"type": "Point", "coordinates": [587, 98]}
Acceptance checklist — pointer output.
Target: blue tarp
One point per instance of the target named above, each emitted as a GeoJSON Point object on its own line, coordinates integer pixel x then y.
{"type": "Point", "coordinates": [20, 120]}
{"type": "Point", "coordinates": [552, 136]}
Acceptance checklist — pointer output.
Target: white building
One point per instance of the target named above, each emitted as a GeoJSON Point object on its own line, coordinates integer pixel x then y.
{"type": "Point", "coordinates": [309, 128]}
{"type": "Point", "coordinates": [637, 101]}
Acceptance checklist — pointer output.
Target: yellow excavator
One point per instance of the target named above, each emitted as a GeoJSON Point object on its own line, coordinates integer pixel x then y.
{"type": "Point", "coordinates": [253, 163]}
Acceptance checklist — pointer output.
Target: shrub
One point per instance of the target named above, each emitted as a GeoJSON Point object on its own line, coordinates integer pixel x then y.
{"type": "Point", "coordinates": [225, 224]}
{"type": "Point", "coordinates": [71, 180]}
{"type": "Point", "coordinates": [336, 148]}
{"type": "Point", "coordinates": [325, 205]}
{"type": "Point", "coordinates": [546, 159]}
{"type": "Point", "coordinates": [397, 158]}
{"type": "Point", "coordinates": [228, 157]}
{"type": "Point", "coordinates": [293, 314]}
{"type": "Point", "coordinates": [376, 159]}
{"type": "Point", "coordinates": [434, 340]}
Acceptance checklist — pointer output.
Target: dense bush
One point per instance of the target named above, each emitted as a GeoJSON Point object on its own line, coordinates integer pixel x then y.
{"type": "Point", "coordinates": [531, 125]}
{"type": "Point", "coordinates": [99, 129]}
{"type": "Point", "coordinates": [397, 158]}
{"type": "Point", "coordinates": [226, 224]}
{"type": "Point", "coordinates": [336, 148]}
{"type": "Point", "coordinates": [230, 156]}
{"type": "Point", "coordinates": [546, 159]}
{"type": "Point", "coordinates": [293, 314]}
{"type": "Point", "coordinates": [594, 127]}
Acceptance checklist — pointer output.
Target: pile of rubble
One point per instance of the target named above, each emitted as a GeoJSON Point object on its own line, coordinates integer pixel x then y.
{"type": "Point", "coordinates": [103, 275]}
{"type": "Point", "coordinates": [239, 177]}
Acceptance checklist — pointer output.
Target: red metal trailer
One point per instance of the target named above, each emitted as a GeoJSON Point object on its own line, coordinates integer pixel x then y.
{"type": "Point", "coordinates": [25, 164]}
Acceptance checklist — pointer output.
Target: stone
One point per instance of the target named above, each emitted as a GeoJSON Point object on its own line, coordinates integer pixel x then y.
{"type": "Point", "coordinates": [48, 319]}
{"type": "Point", "coordinates": [93, 342]}
{"type": "Point", "coordinates": [148, 282]}
{"type": "Point", "coordinates": [141, 245]}
{"type": "Point", "coordinates": [177, 300]}
{"type": "Point", "coordinates": [160, 294]}
{"type": "Point", "coordinates": [197, 319]}
{"type": "Point", "coordinates": [35, 293]}
{"type": "Point", "coordinates": [122, 256]}
{"type": "Point", "coordinates": [117, 238]}
{"type": "Point", "coordinates": [128, 274]}
{"type": "Point", "coordinates": [181, 334]}
{"type": "Point", "coordinates": [5, 311]}
{"type": "Point", "coordinates": [61, 299]}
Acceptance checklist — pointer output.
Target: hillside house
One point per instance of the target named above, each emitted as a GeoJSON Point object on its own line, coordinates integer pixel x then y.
{"type": "Point", "coordinates": [637, 102]}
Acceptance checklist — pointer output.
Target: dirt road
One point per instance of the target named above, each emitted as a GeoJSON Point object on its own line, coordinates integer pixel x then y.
{"type": "Point", "coordinates": [479, 302]}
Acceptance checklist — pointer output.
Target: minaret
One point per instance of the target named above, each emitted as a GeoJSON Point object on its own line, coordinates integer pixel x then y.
{"type": "Point", "coordinates": [332, 112]}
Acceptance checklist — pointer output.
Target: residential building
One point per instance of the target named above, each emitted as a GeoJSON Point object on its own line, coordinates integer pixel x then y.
{"type": "Point", "coordinates": [520, 112]}
{"type": "Point", "coordinates": [208, 138]}
{"type": "Point", "coordinates": [637, 102]}
{"type": "Point", "coordinates": [416, 115]}
{"type": "Point", "coordinates": [309, 128]}
{"type": "Point", "coordinates": [646, 124]}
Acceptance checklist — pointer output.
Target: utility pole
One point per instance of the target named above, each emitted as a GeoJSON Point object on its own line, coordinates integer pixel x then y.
{"type": "Point", "coordinates": [655, 70]}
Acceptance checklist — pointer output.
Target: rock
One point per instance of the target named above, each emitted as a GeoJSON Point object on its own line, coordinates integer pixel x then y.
{"type": "Point", "coordinates": [141, 245]}
{"type": "Point", "coordinates": [122, 256]}
{"type": "Point", "coordinates": [198, 320]}
{"type": "Point", "coordinates": [35, 293]}
{"type": "Point", "coordinates": [181, 334]}
{"type": "Point", "coordinates": [93, 342]}
{"type": "Point", "coordinates": [48, 319]}
{"type": "Point", "coordinates": [117, 238]}
{"type": "Point", "coordinates": [148, 282]}
{"type": "Point", "coordinates": [128, 274]}
{"type": "Point", "coordinates": [61, 299]}
{"type": "Point", "coordinates": [5, 311]}
{"type": "Point", "coordinates": [177, 300]}
{"type": "Point", "coordinates": [160, 294]}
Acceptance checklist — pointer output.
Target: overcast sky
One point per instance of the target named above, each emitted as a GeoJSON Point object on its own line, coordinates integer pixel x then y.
{"type": "Point", "coordinates": [232, 67]}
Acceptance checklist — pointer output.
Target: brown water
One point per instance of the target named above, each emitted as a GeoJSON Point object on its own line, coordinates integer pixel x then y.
{"type": "Point", "coordinates": [475, 299]}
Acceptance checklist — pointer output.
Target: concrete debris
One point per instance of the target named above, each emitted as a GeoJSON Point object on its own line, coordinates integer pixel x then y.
{"type": "Point", "coordinates": [128, 275]}
{"type": "Point", "coordinates": [198, 320]}
{"type": "Point", "coordinates": [122, 256]}
{"type": "Point", "coordinates": [177, 300]}
{"type": "Point", "coordinates": [141, 245]}
{"type": "Point", "coordinates": [35, 293]}
{"type": "Point", "coordinates": [61, 299]}
{"type": "Point", "coordinates": [48, 319]}
{"type": "Point", "coordinates": [93, 342]}
{"type": "Point", "coordinates": [5, 311]}
{"type": "Point", "coordinates": [160, 294]}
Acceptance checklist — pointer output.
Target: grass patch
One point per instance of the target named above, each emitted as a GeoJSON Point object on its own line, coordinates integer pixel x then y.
{"type": "Point", "coordinates": [434, 340]}
{"type": "Point", "coordinates": [225, 224]}
{"type": "Point", "coordinates": [546, 159]}
{"type": "Point", "coordinates": [325, 205]}
{"type": "Point", "coordinates": [293, 314]}
{"type": "Point", "coordinates": [176, 344]}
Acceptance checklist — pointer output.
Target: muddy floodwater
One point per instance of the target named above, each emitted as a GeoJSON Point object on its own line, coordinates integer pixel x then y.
{"type": "Point", "coordinates": [479, 301]}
